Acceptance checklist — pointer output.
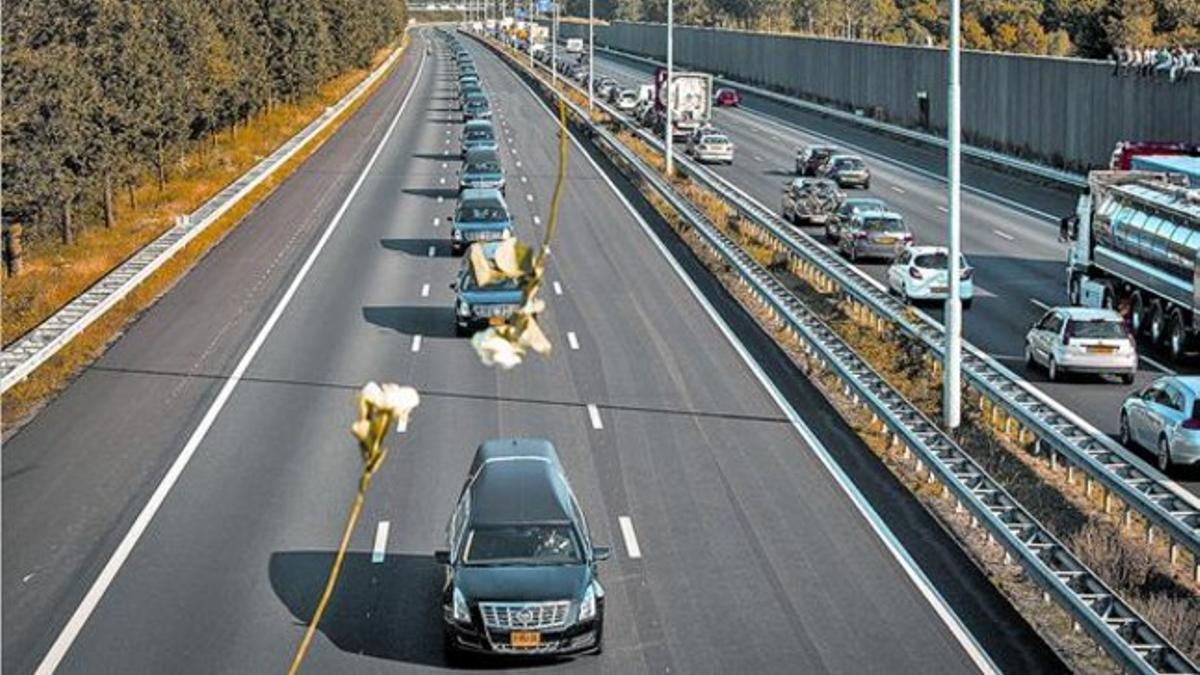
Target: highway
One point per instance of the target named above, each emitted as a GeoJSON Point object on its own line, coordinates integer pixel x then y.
{"type": "Point", "coordinates": [208, 449]}
{"type": "Point", "coordinates": [1008, 236]}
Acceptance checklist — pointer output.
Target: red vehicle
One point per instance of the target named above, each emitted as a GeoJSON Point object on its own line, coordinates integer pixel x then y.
{"type": "Point", "coordinates": [728, 97]}
{"type": "Point", "coordinates": [1125, 151]}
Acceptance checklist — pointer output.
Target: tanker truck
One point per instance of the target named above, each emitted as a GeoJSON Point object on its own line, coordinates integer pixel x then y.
{"type": "Point", "coordinates": [1135, 243]}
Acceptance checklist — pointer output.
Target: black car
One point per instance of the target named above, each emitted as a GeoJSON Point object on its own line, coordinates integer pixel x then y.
{"type": "Point", "coordinates": [810, 158]}
{"type": "Point", "coordinates": [521, 567]}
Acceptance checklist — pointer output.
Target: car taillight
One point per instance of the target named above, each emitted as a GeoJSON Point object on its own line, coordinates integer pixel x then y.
{"type": "Point", "coordinates": [915, 273]}
{"type": "Point", "coordinates": [967, 273]}
{"type": "Point", "coordinates": [908, 238]}
{"type": "Point", "coordinates": [1191, 424]}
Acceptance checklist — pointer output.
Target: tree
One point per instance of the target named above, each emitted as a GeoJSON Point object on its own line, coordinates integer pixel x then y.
{"type": "Point", "coordinates": [973, 34]}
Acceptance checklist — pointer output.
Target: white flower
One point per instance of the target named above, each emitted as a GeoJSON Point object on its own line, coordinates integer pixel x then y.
{"type": "Point", "coordinates": [401, 401]}
{"type": "Point", "coordinates": [494, 350]}
{"type": "Point", "coordinates": [372, 394]}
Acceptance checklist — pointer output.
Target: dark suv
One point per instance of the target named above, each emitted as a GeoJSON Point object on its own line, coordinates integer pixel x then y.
{"type": "Point", "coordinates": [521, 567]}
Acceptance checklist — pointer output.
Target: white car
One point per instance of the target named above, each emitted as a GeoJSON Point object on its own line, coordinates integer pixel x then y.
{"type": "Point", "coordinates": [1082, 340]}
{"type": "Point", "coordinates": [711, 146]}
{"type": "Point", "coordinates": [627, 100]}
{"type": "Point", "coordinates": [919, 273]}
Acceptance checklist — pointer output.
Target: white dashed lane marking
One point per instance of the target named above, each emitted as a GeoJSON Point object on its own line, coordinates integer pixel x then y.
{"type": "Point", "coordinates": [1003, 235]}
{"type": "Point", "coordinates": [425, 291]}
{"type": "Point", "coordinates": [416, 343]}
{"type": "Point", "coordinates": [432, 251]}
{"type": "Point", "coordinates": [631, 543]}
{"type": "Point", "coordinates": [594, 415]}
{"type": "Point", "coordinates": [379, 552]}
{"type": "Point", "coordinates": [896, 188]}
{"type": "Point", "coordinates": [557, 288]}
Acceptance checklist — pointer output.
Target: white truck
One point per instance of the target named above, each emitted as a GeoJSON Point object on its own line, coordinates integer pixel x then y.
{"type": "Point", "coordinates": [691, 100]}
{"type": "Point", "coordinates": [1135, 245]}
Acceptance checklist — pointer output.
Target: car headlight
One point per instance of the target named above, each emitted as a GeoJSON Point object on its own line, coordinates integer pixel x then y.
{"type": "Point", "coordinates": [461, 613]}
{"type": "Point", "coordinates": [463, 309]}
{"type": "Point", "coordinates": [505, 233]}
{"type": "Point", "coordinates": [456, 234]}
{"type": "Point", "coordinates": [587, 607]}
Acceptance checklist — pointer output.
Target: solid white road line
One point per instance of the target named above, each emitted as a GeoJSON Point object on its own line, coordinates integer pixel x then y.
{"type": "Point", "coordinates": [425, 291]}
{"type": "Point", "coordinates": [62, 644]}
{"type": "Point", "coordinates": [572, 340]}
{"type": "Point", "coordinates": [379, 552]}
{"type": "Point", "coordinates": [594, 415]}
{"type": "Point", "coordinates": [432, 251]}
{"type": "Point", "coordinates": [914, 573]}
{"type": "Point", "coordinates": [557, 288]}
{"type": "Point", "coordinates": [898, 189]}
{"type": "Point", "coordinates": [1003, 235]}
{"type": "Point", "coordinates": [416, 343]}
{"type": "Point", "coordinates": [631, 543]}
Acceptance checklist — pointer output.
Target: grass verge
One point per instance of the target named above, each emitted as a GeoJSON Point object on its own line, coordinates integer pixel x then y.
{"type": "Point", "coordinates": [25, 398]}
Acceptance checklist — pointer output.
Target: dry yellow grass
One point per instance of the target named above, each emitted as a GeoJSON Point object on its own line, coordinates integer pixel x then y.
{"type": "Point", "coordinates": [54, 274]}
{"type": "Point", "coordinates": [24, 398]}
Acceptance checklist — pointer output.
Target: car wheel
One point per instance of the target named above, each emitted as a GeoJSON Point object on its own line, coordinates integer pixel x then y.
{"type": "Point", "coordinates": [1163, 458]}
{"type": "Point", "coordinates": [461, 330]}
{"type": "Point", "coordinates": [867, 185]}
{"type": "Point", "coordinates": [1073, 291]}
{"type": "Point", "coordinates": [1052, 370]}
{"type": "Point", "coordinates": [853, 254]}
{"type": "Point", "coordinates": [1158, 322]}
{"type": "Point", "coordinates": [1127, 378]}
{"type": "Point", "coordinates": [1029, 360]}
{"type": "Point", "coordinates": [1123, 435]}
{"type": "Point", "coordinates": [1176, 337]}
{"type": "Point", "coordinates": [966, 304]}
{"type": "Point", "coordinates": [450, 651]}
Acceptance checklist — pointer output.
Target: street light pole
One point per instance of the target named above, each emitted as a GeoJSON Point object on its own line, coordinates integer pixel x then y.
{"type": "Point", "coordinates": [554, 45]}
{"type": "Point", "coordinates": [591, 52]}
{"type": "Point", "coordinates": [529, 24]}
{"type": "Point", "coordinates": [952, 372]}
{"type": "Point", "coordinates": [670, 102]}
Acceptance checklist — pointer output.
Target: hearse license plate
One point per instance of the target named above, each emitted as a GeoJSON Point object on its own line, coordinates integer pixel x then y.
{"type": "Point", "coordinates": [525, 638]}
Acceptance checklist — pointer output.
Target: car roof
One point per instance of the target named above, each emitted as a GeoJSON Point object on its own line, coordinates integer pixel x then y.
{"type": "Point", "coordinates": [807, 180]}
{"type": "Point", "coordinates": [478, 124]}
{"type": "Point", "coordinates": [924, 250]}
{"type": "Point", "coordinates": [845, 156]}
{"type": "Point", "coordinates": [1089, 314]}
{"type": "Point", "coordinates": [864, 202]}
{"type": "Point", "coordinates": [490, 195]}
{"type": "Point", "coordinates": [1189, 382]}
{"type": "Point", "coordinates": [877, 215]}
{"type": "Point", "coordinates": [481, 155]}
{"type": "Point", "coordinates": [518, 480]}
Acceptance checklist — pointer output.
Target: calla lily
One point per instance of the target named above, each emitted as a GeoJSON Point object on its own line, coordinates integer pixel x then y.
{"type": "Point", "coordinates": [494, 349]}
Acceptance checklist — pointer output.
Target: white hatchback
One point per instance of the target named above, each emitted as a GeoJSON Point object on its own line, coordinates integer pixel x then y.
{"type": "Point", "coordinates": [1082, 340]}
{"type": "Point", "coordinates": [919, 273]}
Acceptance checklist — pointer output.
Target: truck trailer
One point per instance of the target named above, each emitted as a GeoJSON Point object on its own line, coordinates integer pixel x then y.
{"type": "Point", "coordinates": [1135, 246]}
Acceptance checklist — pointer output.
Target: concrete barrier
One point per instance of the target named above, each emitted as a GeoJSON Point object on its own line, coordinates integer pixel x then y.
{"type": "Point", "coordinates": [1063, 112]}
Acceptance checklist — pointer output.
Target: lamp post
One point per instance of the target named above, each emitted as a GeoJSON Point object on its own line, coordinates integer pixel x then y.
{"type": "Point", "coordinates": [670, 102]}
{"type": "Point", "coordinates": [952, 372]}
{"type": "Point", "coordinates": [554, 45]}
{"type": "Point", "coordinates": [591, 52]}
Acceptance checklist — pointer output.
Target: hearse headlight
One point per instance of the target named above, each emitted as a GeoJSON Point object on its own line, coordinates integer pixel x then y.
{"type": "Point", "coordinates": [587, 607]}
{"type": "Point", "coordinates": [461, 613]}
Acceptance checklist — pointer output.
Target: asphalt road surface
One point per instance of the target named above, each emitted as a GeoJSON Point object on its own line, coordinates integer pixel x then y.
{"type": "Point", "coordinates": [238, 387]}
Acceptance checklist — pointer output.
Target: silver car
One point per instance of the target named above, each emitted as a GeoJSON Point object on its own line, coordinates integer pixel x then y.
{"type": "Point", "coordinates": [1164, 419]}
{"type": "Point", "coordinates": [874, 234]}
{"type": "Point", "coordinates": [711, 146]}
{"type": "Point", "coordinates": [1082, 340]}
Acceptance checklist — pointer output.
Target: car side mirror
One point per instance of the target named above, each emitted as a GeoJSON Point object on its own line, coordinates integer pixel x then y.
{"type": "Point", "coordinates": [449, 219]}
{"type": "Point", "coordinates": [601, 553]}
{"type": "Point", "coordinates": [442, 557]}
{"type": "Point", "coordinates": [454, 285]}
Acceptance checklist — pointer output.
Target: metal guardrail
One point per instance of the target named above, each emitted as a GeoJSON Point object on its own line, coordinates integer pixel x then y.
{"type": "Point", "coordinates": [37, 346]}
{"type": "Point", "coordinates": [1042, 171]}
{"type": "Point", "coordinates": [1164, 505]}
{"type": "Point", "coordinates": [1123, 633]}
